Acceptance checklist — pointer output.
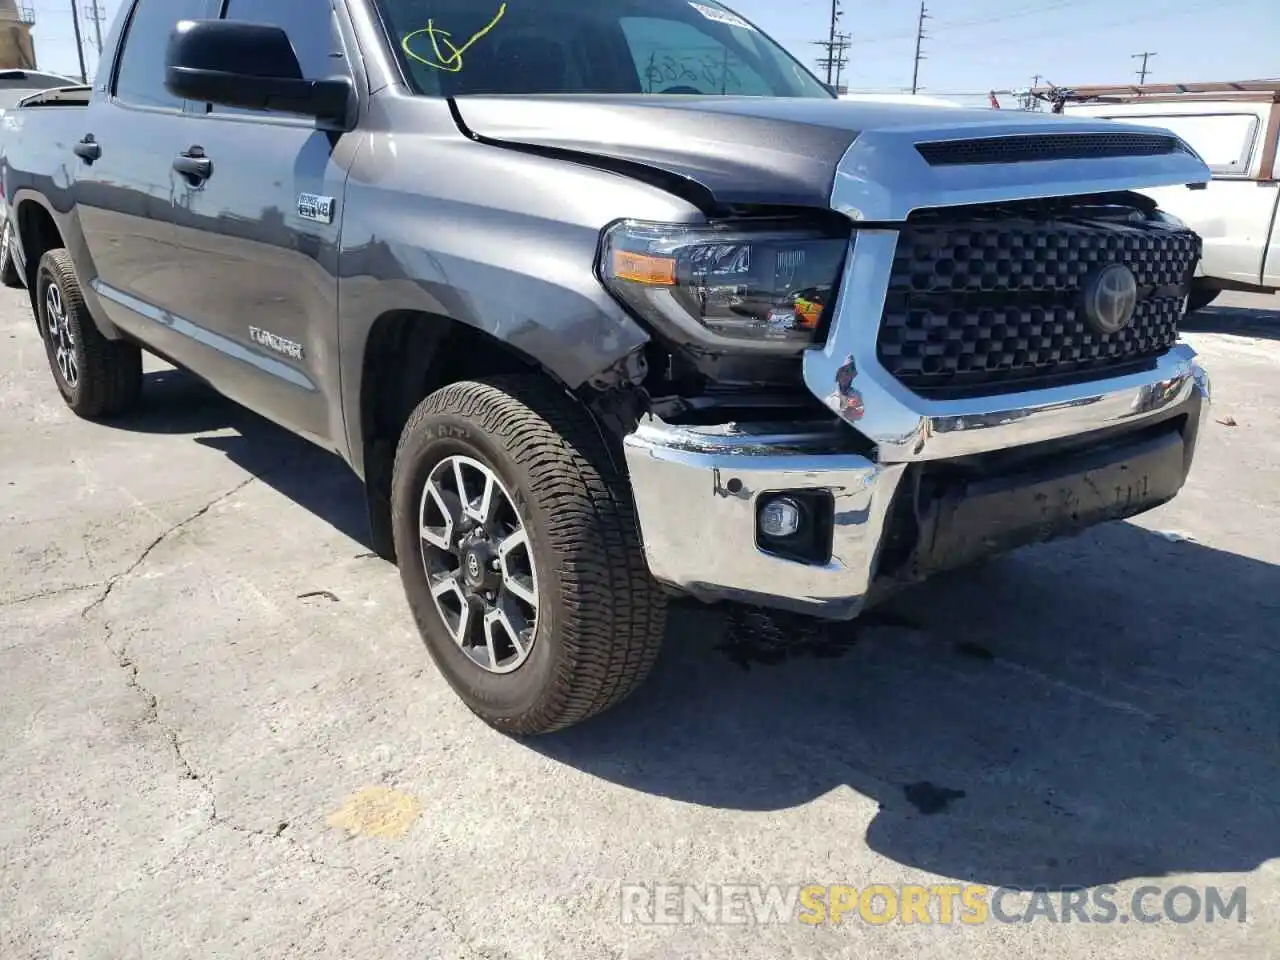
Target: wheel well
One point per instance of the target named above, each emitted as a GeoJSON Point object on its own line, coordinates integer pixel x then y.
{"type": "Point", "coordinates": [39, 234]}
{"type": "Point", "coordinates": [408, 356]}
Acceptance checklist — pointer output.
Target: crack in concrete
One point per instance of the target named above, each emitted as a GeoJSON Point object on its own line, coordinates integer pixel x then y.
{"type": "Point", "coordinates": [142, 557]}
{"type": "Point", "coordinates": [121, 652]}
{"type": "Point", "coordinates": [189, 771]}
{"type": "Point", "coordinates": [51, 592]}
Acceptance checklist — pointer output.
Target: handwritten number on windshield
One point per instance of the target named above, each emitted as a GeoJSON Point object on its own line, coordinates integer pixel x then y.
{"type": "Point", "coordinates": [445, 55]}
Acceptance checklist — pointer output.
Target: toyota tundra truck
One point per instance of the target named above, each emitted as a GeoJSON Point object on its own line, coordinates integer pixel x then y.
{"type": "Point", "coordinates": [613, 304]}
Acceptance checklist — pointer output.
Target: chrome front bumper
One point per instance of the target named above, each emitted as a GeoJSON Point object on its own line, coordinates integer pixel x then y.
{"type": "Point", "coordinates": [698, 489]}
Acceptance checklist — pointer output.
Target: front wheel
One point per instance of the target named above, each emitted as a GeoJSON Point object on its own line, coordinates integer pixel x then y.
{"type": "Point", "coordinates": [521, 556]}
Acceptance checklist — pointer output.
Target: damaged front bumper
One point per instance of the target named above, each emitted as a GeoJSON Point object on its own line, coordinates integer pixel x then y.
{"type": "Point", "coordinates": [953, 488]}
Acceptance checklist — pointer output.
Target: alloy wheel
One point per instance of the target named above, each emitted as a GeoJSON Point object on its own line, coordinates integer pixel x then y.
{"type": "Point", "coordinates": [479, 563]}
{"type": "Point", "coordinates": [61, 339]}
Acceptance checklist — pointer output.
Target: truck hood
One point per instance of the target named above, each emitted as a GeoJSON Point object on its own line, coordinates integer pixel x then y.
{"type": "Point", "coordinates": [752, 150]}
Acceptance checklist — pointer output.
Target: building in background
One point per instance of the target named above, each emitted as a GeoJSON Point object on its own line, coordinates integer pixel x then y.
{"type": "Point", "coordinates": [17, 51]}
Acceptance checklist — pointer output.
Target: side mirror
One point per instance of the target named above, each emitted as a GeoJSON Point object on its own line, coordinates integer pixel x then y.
{"type": "Point", "coordinates": [237, 64]}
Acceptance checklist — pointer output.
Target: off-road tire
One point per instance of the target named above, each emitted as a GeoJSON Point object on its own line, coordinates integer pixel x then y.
{"type": "Point", "coordinates": [109, 377]}
{"type": "Point", "coordinates": [600, 614]}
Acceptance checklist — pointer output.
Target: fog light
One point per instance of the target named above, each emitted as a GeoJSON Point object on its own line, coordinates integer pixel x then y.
{"type": "Point", "coordinates": [780, 517]}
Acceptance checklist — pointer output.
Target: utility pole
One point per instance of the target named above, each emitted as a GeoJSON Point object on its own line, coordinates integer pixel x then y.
{"type": "Point", "coordinates": [835, 59]}
{"type": "Point", "coordinates": [831, 44]}
{"type": "Point", "coordinates": [75, 22]}
{"type": "Point", "coordinates": [915, 72]}
{"type": "Point", "coordinates": [1142, 74]}
{"type": "Point", "coordinates": [831, 37]}
{"type": "Point", "coordinates": [842, 44]}
{"type": "Point", "coordinates": [95, 13]}
{"type": "Point", "coordinates": [1030, 102]}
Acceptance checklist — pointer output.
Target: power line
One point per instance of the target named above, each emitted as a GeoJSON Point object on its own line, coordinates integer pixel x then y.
{"type": "Point", "coordinates": [915, 70]}
{"type": "Point", "coordinates": [1087, 31]}
{"type": "Point", "coordinates": [1142, 74]}
{"type": "Point", "coordinates": [980, 21]}
{"type": "Point", "coordinates": [1037, 30]}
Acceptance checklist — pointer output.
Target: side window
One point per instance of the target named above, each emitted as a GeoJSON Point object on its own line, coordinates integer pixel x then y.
{"type": "Point", "coordinates": [312, 30]}
{"type": "Point", "coordinates": [140, 77]}
{"type": "Point", "coordinates": [676, 57]}
{"type": "Point", "coordinates": [1224, 140]}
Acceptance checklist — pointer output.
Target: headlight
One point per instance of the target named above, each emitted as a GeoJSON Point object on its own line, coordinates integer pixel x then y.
{"type": "Point", "coordinates": [731, 288]}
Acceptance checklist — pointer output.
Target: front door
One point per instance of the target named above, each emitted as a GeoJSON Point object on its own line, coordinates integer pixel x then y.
{"type": "Point", "coordinates": [260, 232]}
{"type": "Point", "coordinates": [124, 182]}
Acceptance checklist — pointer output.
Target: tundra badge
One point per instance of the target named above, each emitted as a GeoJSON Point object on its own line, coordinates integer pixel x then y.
{"type": "Point", "coordinates": [312, 206]}
{"type": "Point", "coordinates": [271, 341]}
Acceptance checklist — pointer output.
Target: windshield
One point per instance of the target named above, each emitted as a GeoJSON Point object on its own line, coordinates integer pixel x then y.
{"type": "Point", "coordinates": [459, 47]}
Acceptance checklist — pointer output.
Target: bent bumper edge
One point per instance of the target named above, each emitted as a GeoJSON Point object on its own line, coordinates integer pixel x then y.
{"type": "Point", "coordinates": [698, 493]}
{"type": "Point", "coordinates": [698, 490]}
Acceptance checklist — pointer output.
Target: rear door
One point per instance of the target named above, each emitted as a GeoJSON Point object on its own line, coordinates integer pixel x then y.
{"type": "Point", "coordinates": [260, 236]}
{"type": "Point", "coordinates": [124, 180]}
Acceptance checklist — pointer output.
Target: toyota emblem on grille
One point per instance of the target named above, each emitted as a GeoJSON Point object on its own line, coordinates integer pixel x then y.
{"type": "Point", "coordinates": [1110, 297]}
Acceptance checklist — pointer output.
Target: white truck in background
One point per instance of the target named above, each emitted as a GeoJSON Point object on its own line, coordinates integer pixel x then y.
{"type": "Point", "coordinates": [1235, 127]}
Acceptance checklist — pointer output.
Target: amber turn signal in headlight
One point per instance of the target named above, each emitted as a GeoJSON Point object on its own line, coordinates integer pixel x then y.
{"type": "Point", "coordinates": [761, 287]}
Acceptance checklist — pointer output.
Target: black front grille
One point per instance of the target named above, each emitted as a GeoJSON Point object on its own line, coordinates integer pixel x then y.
{"type": "Point", "coordinates": [994, 305]}
{"type": "Point", "coordinates": [1053, 146]}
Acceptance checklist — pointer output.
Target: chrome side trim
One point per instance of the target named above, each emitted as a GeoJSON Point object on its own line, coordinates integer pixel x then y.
{"type": "Point", "coordinates": [847, 376]}
{"type": "Point", "coordinates": [203, 335]}
{"type": "Point", "coordinates": [697, 492]}
{"type": "Point", "coordinates": [883, 178]}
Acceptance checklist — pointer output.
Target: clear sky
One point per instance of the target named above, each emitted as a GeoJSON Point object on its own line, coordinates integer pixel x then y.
{"type": "Point", "coordinates": [972, 45]}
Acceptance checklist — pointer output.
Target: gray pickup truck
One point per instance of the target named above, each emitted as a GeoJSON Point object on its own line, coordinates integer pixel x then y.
{"type": "Point", "coordinates": [613, 303]}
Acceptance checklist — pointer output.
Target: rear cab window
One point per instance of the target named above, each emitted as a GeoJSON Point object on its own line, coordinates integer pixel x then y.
{"type": "Point", "coordinates": [460, 47]}
{"type": "Point", "coordinates": [139, 79]}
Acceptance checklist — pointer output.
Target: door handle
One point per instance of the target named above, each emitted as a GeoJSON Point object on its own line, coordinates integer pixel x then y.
{"type": "Point", "coordinates": [88, 149]}
{"type": "Point", "coordinates": [194, 164]}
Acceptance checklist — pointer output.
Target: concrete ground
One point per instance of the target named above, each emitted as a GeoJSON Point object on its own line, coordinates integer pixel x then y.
{"type": "Point", "coordinates": [220, 735]}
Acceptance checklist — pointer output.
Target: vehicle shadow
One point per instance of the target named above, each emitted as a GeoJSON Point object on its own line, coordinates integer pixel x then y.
{"type": "Point", "coordinates": [177, 403]}
{"type": "Point", "coordinates": [1079, 713]}
{"type": "Point", "coordinates": [1082, 712]}
{"type": "Point", "coordinates": [1235, 321]}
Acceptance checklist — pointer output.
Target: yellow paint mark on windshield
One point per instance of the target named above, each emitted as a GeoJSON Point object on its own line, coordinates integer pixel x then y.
{"type": "Point", "coordinates": [444, 54]}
